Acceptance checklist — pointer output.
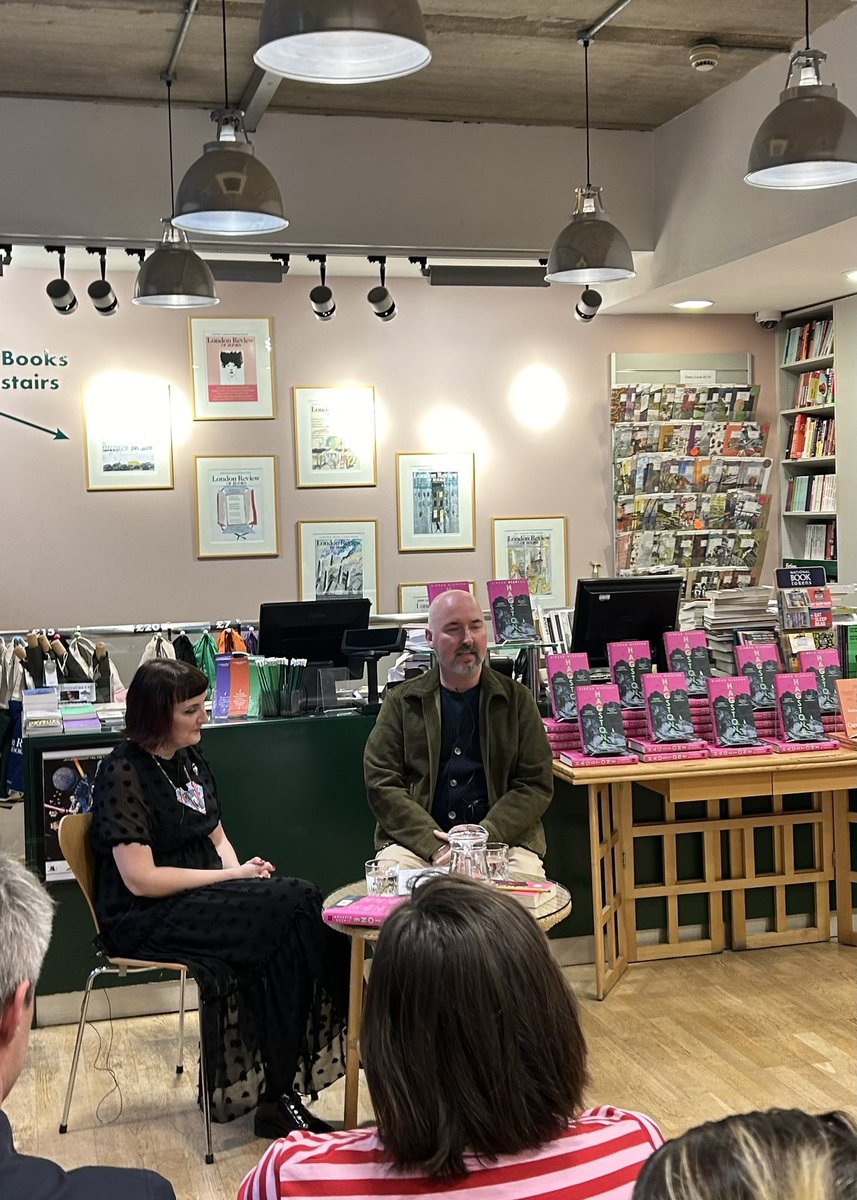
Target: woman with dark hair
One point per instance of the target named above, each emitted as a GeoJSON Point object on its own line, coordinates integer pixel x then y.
{"type": "Point", "coordinates": [476, 1067]}
{"type": "Point", "coordinates": [169, 886]}
{"type": "Point", "coordinates": [783, 1154]}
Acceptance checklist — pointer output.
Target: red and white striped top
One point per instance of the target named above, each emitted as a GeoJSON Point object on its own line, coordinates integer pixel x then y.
{"type": "Point", "coordinates": [598, 1158]}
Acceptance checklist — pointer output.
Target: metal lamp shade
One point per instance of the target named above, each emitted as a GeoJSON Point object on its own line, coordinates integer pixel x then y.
{"type": "Point", "coordinates": [589, 249]}
{"type": "Point", "coordinates": [174, 276]}
{"type": "Point", "coordinates": [228, 192]}
{"type": "Point", "coordinates": [808, 141]}
{"type": "Point", "coordinates": [342, 41]}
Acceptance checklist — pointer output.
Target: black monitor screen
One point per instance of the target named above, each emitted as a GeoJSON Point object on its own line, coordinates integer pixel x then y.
{"type": "Point", "coordinates": [637, 608]}
{"type": "Point", "coordinates": [310, 629]}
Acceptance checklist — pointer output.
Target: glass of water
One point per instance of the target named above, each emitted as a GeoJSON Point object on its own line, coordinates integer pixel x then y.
{"type": "Point", "coordinates": [382, 877]}
{"type": "Point", "coordinates": [497, 858]}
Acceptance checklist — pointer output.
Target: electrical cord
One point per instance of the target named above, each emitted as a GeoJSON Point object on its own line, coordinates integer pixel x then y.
{"type": "Point", "coordinates": [106, 1067]}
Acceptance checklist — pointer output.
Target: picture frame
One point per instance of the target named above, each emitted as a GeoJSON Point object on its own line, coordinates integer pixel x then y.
{"type": "Point", "coordinates": [237, 506]}
{"type": "Point", "coordinates": [127, 438]}
{"type": "Point", "coordinates": [436, 501]}
{"type": "Point", "coordinates": [232, 368]}
{"type": "Point", "coordinates": [535, 549]}
{"type": "Point", "coordinates": [335, 442]}
{"type": "Point", "coordinates": [338, 558]}
{"type": "Point", "coordinates": [413, 597]}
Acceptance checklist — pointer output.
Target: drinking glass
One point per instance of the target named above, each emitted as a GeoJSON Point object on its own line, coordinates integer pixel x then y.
{"type": "Point", "coordinates": [497, 858]}
{"type": "Point", "coordinates": [382, 877]}
{"type": "Point", "coordinates": [467, 851]}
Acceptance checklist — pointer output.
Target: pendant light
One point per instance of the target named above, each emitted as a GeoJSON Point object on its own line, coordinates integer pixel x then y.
{"type": "Point", "coordinates": [342, 41]}
{"type": "Point", "coordinates": [227, 191]}
{"type": "Point", "coordinates": [589, 249]}
{"type": "Point", "coordinates": [810, 139]}
{"type": "Point", "coordinates": [174, 276]}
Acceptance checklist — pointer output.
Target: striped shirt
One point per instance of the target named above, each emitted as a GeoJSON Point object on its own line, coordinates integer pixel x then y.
{"type": "Point", "coordinates": [598, 1158]}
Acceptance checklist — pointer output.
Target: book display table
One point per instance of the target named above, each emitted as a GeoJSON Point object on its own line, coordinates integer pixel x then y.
{"type": "Point", "coordinates": [752, 830]}
{"type": "Point", "coordinates": [546, 915]}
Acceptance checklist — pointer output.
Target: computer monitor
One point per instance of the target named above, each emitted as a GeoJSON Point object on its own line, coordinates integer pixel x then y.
{"type": "Point", "coordinates": [636, 608]}
{"type": "Point", "coordinates": [311, 629]}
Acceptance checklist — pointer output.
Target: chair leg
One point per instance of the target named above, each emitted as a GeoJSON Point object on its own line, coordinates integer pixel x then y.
{"type": "Point", "coordinates": [203, 1081]}
{"type": "Point", "coordinates": [84, 1008]}
{"type": "Point", "coordinates": [180, 1060]}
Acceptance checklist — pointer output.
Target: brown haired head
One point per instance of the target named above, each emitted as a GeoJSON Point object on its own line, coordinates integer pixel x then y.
{"type": "Point", "coordinates": [783, 1154]}
{"type": "Point", "coordinates": [471, 1037]}
{"type": "Point", "coordinates": [157, 687]}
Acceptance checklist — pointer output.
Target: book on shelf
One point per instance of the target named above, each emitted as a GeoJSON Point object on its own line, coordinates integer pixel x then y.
{"type": "Point", "coordinates": [566, 672]}
{"type": "Point", "coordinates": [599, 715]}
{"type": "Point", "coordinates": [732, 713]}
{"type": "Point", "coordinates": [674, 402]}
{"type": "Point", "coordinates": [809, 341]}
{"type": "Point", "coordinates": [668, 717]}
{"type": "Point", "coordinates": [815, 389]}
{"type": "Point", "coordinates": [511, 610]}
{"type": "Point", "coordinates": [743, 439]}
{"type": "Point", "coordinates": [629, 662]}
{"type": "Point", "coordinates": [760, 665]}
{"type": "Point", "coordinates": [825, 666]}
{"type": "Point", "coordinates": [371, 911]}
{"type": "Point", "coordinates": [798, 707]}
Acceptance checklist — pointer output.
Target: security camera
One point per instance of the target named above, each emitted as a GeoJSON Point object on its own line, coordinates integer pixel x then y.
{"type": "Point", "coordinates": [768, 318]}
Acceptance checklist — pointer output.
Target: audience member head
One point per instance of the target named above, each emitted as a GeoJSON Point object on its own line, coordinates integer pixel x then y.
{"type": "Point", "coordinates": [157, 687]}
{"type": "Point", "coordinates": [783, 1154]}
{"type": "Point", "coordinates": [471, 1038]}
{"type": "Point", "coordinates": [26, 915]}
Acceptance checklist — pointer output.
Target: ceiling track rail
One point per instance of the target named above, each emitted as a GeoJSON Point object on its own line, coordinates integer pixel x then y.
{"type": "Point", "coordinates": [587, 35]}
{"type": "Point", "coordinates": [169, 72]}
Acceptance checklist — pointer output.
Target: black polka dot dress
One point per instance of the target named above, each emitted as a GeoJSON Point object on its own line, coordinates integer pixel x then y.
{"type": "Point", "coordinates": [273, 977]}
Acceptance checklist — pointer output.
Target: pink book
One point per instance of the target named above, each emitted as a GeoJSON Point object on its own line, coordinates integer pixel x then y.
{"type": "Point", "coordinates": [737, 751]}
{"type": "Point", "coordinates": [668, 716]}
{"type": "Point", "coordinates": [437, 589]}
{"type": "Point", "coordinates": [732, 712]}
{"type": "Point", "coordinates": [511, 610]}
{"type": "Point", "coordinates": [362, 910]}
{"type": "Point", "coordinates": [783, 747]}
{"type": "Point", "coordinates": [649, 746]}
{"type": "Point", "coordinates": [660, 755]}
{"type": "Point", "coordinates": [760, 664]}
{"type": "Point", "coordinates": [565, 673]}
{"type": "Point", "coordinates": [826, 667]}
{"type": "Point", "coordinates": [572, 759]}
{"type": "Point", "coordinates": [797, 706]}
{"type": "Point", "coordinates": [629, 662]}
{"type": "Point", "coordinates": [687, 651]}
{"type": "Point", "coordinates": [599, 716]}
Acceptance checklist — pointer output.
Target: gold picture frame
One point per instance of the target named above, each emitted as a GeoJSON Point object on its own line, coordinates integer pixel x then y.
{"type": "Point", "coordinates": [436, 501]}
{"type": "Point", "coordinates": [232, 368]}
{"type": "Point", "coordinates": [237, 506]}
{"type": "Point", "coordinates": [335, 443]}
{"type": "Point", "coordinates": [535, 549]}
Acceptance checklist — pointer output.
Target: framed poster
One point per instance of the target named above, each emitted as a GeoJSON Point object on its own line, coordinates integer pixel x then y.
{"type": "Point", "coordinates": [67, 780]}
{"type": "Point", "coordinates": [533, 548]}
{"type": "Point", "coordinates": [232, 368]}
{"type": "Point", "coordinates": [414, 597]}
{"type": "Point", "coordinates": [236, 507]}
{"type": "Point", "coordinates": [338, 558]}
{"type": "Point", "coordinates": [127, 436]}
{"type": "Point", "coordinates": [436, 501]}
{"type": "Point", "coordinates": [334, 436]}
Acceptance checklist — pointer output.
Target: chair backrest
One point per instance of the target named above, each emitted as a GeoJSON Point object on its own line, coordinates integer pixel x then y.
{"type": "Point", "coordinates": [76, 846]}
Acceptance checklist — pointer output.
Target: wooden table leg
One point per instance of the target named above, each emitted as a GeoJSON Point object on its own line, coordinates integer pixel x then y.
{"type": "Point", "coordinates": [355, 1016]}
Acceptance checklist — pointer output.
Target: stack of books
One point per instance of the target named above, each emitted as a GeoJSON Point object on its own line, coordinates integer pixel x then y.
{"type": "Point", "coordinates": [79, 718]}
{"type": "Point", "coordinates": [731, 610]}
{"type": "Point", "coordinates": [800, 725]}
{"type": "Point", "coordinates": [669, 728]}
{"type": "Point", "coordinates": [602, 732]}
{"type": "Point", "coordinates": [733, 719]}
{"type": "Point", "coordinates": [41, 710]}
{"type": "Point", "coordinates": [563, 736]}
{"type": "Point", "coordinates": [371, 911]}
{"type": "Point", "coordinates": [529, 893]}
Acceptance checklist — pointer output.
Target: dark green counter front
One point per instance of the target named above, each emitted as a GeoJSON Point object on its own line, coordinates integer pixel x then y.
{"type": "Point", "coordinates": [291, 790]}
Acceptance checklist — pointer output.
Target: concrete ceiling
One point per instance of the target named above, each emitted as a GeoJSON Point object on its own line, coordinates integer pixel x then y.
{"type": "Point", "coordinates": [490, 63]}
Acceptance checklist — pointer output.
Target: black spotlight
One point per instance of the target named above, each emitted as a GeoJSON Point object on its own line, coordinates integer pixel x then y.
{"type": "Point", "coordinates": [321, 297]}
{"type": "Point", "coordinates": [100, 292]}
{"type": "Point", "coordinates": [383, 304]}
{"type": "Point", "coordinates": [59, 292]}
{"type": "Point", "coordinates": [588, 305]}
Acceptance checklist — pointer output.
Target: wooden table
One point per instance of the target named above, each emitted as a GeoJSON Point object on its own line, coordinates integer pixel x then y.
{"type": "Point", "coordinates": [723, 785]}
{"type": "Point", "coordinates": [547, 914]}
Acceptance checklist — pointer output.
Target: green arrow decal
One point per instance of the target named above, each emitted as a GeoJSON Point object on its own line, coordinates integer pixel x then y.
{"type": "Point", "coordinates": [56, 434]}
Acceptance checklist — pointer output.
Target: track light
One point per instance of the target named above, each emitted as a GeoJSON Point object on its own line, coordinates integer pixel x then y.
{"type": "Point", "coordinates": [588, 305]}
{"type": "Point", "coordinates": [5, 257]}
{"type": "Point", "coordinates": [383, 304]}
{"type": "Point", "coordinates": [59, 292]}
{"type": "Point", "coordinates": [100, 292]}
{"type": "Point", "coordinates": [321, 297]}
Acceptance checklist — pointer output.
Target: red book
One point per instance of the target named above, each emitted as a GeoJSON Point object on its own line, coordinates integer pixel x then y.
{"type": "Point", "coordinates": [362, 910]}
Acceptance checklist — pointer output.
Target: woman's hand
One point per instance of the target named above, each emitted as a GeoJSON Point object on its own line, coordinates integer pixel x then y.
{"type": "Point", "coordinates": [254, 868]}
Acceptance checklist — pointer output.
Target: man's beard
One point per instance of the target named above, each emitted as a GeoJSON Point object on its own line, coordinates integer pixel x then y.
{"type": "Point", "coordinates": [458, 667]}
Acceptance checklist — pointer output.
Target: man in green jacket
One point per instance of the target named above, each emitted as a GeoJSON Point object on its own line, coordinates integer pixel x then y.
{"type": "Point", "coordinates": [460, 745]}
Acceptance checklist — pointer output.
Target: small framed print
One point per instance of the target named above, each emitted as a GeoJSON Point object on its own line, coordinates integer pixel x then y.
{"type": "Point", "coordinates": [232, 368]}
{"type": "Point", "coordinates": [436, 501]}
{"type": "Point", "coordinates": [533, 548]}
{"type": "Point", "coordinates": [338, 558]}
{"type": "Point", "coordinates": [236, 507]}
{"type": "Point", "coordinates": [334, 436]}
{"type": "Point", "coordinates": [127, 435]}
{"type": "Point", "coordinates": [416, 597]}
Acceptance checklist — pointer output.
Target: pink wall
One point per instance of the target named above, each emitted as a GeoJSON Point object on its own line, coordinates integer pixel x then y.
{"type": "Point", "coordinates": [448, 362]}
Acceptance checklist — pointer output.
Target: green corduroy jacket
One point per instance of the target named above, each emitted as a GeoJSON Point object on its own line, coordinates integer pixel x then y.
{"type": "Point", "coordinates": [400, 764]}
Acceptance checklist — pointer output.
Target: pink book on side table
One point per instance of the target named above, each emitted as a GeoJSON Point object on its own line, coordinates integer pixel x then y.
{"type": "Point", "coordinates": [362, 910]}
{"type": "Point", "coordinates": [573, 758]}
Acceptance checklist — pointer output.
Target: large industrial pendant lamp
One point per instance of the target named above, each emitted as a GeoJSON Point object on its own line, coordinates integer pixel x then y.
{"type": "Point", "coordinates": [227, 191]}
{"type": "Point", "coordinates": [589, 249]}
{"type": "Point", "coordinates": [174, 276]}
{"type": "Point", "coordinates": [342, 41]}
{"type": "Point", "coordinates": [810, 138]}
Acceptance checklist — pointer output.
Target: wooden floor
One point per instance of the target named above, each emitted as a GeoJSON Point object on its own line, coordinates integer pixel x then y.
{"type": "Point", "coordinates": [684, 1041]}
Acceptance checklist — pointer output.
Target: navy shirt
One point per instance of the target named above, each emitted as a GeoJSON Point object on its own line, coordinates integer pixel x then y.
{"type": "Point", "coordinates": [461, 794]}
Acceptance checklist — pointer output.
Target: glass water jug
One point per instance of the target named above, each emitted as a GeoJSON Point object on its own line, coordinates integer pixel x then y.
{"type": "Point", "coordinates": [467, 846]}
